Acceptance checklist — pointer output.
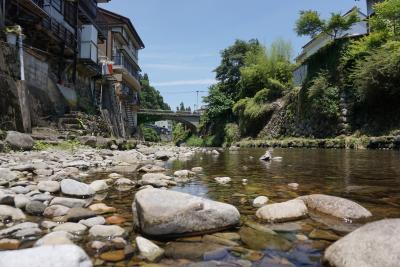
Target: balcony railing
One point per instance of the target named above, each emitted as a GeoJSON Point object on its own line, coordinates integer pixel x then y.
{"type": "Point", "coordinates": [60, 31]}
{"type": "Point", "coordinates": [121, 61]}
{"type": "Point", "coordinates": [39, 3]}
{"type": "Point", "coordinates": [89, 7]}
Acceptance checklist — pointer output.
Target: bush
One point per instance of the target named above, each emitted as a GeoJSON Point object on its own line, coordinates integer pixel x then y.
{"type": "Point", "coordinates": [377, 76]}
{"type": "Point", "coordinates": [149, 134]}
{"type": "Point", "coordinates": [232, 134]}
{"type": "Point", "coordinates": [179, 134]}
{"type": "Point", "coordinates": [324, 98]}
{"type": "Point", "coordinates": [195, 141]}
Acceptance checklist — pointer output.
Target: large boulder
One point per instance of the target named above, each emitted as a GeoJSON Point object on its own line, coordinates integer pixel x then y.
{"type": "Point", "coordinates": [282, 212]}
{"type": "Point", "coordinates": [336, 206]}
{"type": "Point", "coordinates": [375, 244]}
{"type": "Point", "coordinates": [46, 256]}
{"type": "Point", "coordinates": [19, 141]}
{"type": "Point", "coordinates": [162, 212]}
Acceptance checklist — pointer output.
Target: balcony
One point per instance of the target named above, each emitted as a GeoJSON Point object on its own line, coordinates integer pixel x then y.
{"type": "Point", "coordinates": [35, 6]}
{"type": "Point", "coordinates": [60, 32]}
{"type": "Point", "coordinates": [129, 71]}
{"type": "Point", "coordinates": [88, 10]}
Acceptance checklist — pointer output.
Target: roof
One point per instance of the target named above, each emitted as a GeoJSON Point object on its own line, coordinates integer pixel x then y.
{"type": "Point", "coordinates": [322, 33]}
{"type": "Point", "coordinates": [126, 21]}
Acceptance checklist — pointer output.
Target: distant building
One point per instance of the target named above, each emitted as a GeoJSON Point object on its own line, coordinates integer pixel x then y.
{"type": "Point", "coordinates": [122, 88]}
{"type": "Point", "coordinates": [164, 124]}
{"type": "Point", "coordinates": [313, 46]}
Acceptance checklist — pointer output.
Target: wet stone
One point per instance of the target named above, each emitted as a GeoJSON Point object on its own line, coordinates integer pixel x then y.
{"type": "Point", "coordinates": [113, 256]}
{"type": "Point", "coordinates": [35, 208]}
{"type": "Point", "coordinates": [261, 240]}
{"type": "Point", "coordinates": [9, 244]}
{"type": "Point", "coordinates": [77, 214]}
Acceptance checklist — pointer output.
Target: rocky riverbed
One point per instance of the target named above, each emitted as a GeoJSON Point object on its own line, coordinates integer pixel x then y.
{"type": "Point", "coordinates": [87, 206]}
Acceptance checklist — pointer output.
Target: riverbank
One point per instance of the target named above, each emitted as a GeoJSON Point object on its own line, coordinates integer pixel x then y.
{"type": "Point", "coordinates": [160, 206]}
{"type": "Point", "coordinates": [382, 142]}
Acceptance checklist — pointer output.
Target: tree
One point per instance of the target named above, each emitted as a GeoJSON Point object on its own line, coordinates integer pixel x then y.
{"type": "Point", "coordinates": [233, 59]}
{"type": "Point", "coordinates": [150, 98]}
{"type": "Point", "coordinates": [182, 107]}
{"type": "Point", "coordinates": [310, 23]}
{"type": "Point", "coordinates": [387, 17]}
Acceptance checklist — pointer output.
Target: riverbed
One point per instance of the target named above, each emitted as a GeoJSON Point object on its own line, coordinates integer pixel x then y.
{"type": "Point", "coordinates": [370, 178]}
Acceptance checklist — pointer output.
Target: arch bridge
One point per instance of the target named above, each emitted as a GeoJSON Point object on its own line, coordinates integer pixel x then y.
{"type": "Point", "coordinates": [190, 119]}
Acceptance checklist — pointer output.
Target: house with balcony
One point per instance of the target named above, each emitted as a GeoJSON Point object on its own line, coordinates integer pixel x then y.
{"type": "Point", "coordinates": [360, 28]}
{"type": "Point", "coordinates": [120, 95]}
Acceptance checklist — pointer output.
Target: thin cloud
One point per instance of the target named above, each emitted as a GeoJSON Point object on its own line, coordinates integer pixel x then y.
{"type": "Point", "coordinates": [185, 82]}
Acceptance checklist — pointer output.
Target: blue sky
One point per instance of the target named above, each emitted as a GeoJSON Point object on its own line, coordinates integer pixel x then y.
{"type": "Point", "coordinates": [183, 38]}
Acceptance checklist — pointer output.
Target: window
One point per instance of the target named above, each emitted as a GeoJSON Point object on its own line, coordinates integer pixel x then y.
{"type": "Point", "coordinates": [58, 5]}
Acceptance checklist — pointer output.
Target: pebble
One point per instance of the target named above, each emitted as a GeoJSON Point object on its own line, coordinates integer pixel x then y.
{"type": "Point", "coordinates": [73, 228]}
{"type": "Point", "coordinates": [35, 208]}
{"type": "Point", "coordinates": [49, 186]}
{"type": "Point", "coordinates": [113, 256]}
{"type": "Point", "coordinates": [101, 208]}
{"type": "Point", "coordinates": [106, 231]}
{"type": "Point", "coordinates": [260, 201]}
{"type": "Point", "coordinates": [9, 244]}
{"type": "Point", "coordinates": [99, 220]}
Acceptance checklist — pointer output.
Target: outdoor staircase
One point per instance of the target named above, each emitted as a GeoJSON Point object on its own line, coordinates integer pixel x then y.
{"type": "Point", "coordinates": [70, 124]}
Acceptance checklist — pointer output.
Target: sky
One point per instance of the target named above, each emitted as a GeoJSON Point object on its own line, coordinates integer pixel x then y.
{"type": "Point", "coordinates": [183, 38]}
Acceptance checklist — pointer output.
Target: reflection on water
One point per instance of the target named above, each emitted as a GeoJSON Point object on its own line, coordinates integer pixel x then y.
{"type": "Point", "coordinates": [371, 178]}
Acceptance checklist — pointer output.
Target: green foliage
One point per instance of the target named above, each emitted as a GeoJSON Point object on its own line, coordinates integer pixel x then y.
{"type": "Point", "coordinates": [377, 76]}
{"type": "Point", "coordinates": [232, 60]}
{"type": "Point", "coordinates": [40, 146]}
{"type": "Point", "coordinates": [324, 98]}
{"type": "Point", "coordinates": [179, 133]}
{"type": "Point", "coordinates": [264, 67]}
{"type": "Point", "coordinates": [387, 18]}
{"type": "Point", "coordinates": [310, 23]}
{"type": "Point", "coordinates": [71, 145]}
{"type": "Point", "coordinates": [232, 134]}
{"type": "Point", "coordinates": [195, 141]}
{"type": "Point", "coordinates": [219, 103]}
{"type": "Point", "coordinates": [149, 134]}
{"type": "Point", "coordinates": [252, 115]}
{"type": "Point", "coordinates": [150, 98]}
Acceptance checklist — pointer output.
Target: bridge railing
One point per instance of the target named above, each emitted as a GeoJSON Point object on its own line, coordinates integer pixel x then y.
{"type": "Point", "coordinates": [168, 111]}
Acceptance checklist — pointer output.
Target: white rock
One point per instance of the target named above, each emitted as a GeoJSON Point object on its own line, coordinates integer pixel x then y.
{"type": "Point", "coordinates": [376, 244]}
{"type": "Point", "coordinates": [260, 201]}
{"type": "Point", "coordinates": [293, 186]}
{"type": "Point", "coordinates": [21, 201]}
{"type": "Point", "coordinates": [282, 212]}
{"type": "Point", "coordinates": [99, 185]}
{"type": "Point", "coordinates": [55, 239]}
{"type": "Point", "coordinates": [73, 228]}
{"type": "Point", "coordinates": [184, 173]}
{"type": "Point", "coordinates": [148, 249]}
{"type": "Point", "coordinates": [55, 211]}
{"type": "Point", "coordinates": [14, 213]}
{"type": "Point", "coordinates": [164, 212]}
{"type": "Point", "coordinates": [46, 256]}
{"type": "Point", "coordinates": [70, 202]}
{"type": "Point", "coordinates": [99, 220]}
{"type": "Point", "coordinates": [106, 231]}
{"type": "Point", "coordinates": [336, 206]}
{"type": "Point", "coordinates": [74, 188]}
{"type": "Point", "coordinates": [223, 180]}
{"type": "Point", "coordinates": [49, 186]}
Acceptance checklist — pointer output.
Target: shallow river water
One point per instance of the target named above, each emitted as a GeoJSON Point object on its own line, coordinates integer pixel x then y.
{"type": "Point", "coordinates": [371, 178]}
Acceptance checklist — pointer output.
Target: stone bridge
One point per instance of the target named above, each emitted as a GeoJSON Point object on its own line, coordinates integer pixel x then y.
{"type": "Point", "coordinates": [192, 120]}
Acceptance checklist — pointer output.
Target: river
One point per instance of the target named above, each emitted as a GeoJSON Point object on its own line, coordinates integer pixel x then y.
{"type": "Point", "coordinates": [369, 177]}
